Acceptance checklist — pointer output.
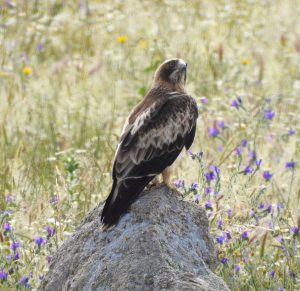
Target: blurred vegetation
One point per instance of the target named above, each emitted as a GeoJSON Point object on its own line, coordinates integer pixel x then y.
{"type": "Point", "coordinates": [70, 71]}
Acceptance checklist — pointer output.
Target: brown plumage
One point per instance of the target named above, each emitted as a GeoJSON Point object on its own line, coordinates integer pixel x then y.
{"type": "Point", "coordinates": [156, 131]}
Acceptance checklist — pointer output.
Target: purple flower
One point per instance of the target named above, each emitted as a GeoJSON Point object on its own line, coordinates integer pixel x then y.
{"type": "Point", "coordinates": [203, 100]}
{"type": "Point", "coordinates": [236, 103]}
{"type": "Point", "coordinates": [220, 239]}
{"type": "Point", "coordinates": [267, 175]}
{"type": "Point", "coordinates": [245, 235]}
{"type": "Point", "coordinates": [261, 206]}
{"type": "Point", "coordinates": [207, 190]}
{"type": "Point", "coordinates": [295, 230]}
{"type": "Point", "coordinates": [14, 245]}
{"type": "Point", "coordinates": [53, 199]}
{"type": "Point", "coordinates": [279, 238]}
{"type": "Point", "coordinates": [238, 151]}
{"type": "Point", "coordinates": [290, 165]}
{"type": "Point", "coordinates": [208, 205]}
{"type": "Point", "coordinates": [194, 186]}
{"type": "Point", "coordinates": [25, 282]}
{"type": "Point", "coordinates": [268, 114]}
{"type": "Point", "coordinates": [50, 231]}
{"type": "Point", "coordinates": [252, 155]}
{"type": "Point", "coordinates": [41, 277]}
{"type": "Point", "coordinates": [220, 223]}
{"type": "Point", "coordinates": [268, 99]}
{"type": "Point", "coordinates": [220, 124]}
{"type": "Point", "coordinates": [49, 259]}
{"type": "Point", "coordinates": [272, 274]}
{"type": "Point", "coordinates": [258, 162]}
{"type": "Point", "coordinates": [228, 235]}
{"type": "Point", "coordinates": [213, 132]}
{"type": "Point", "coordinates": [244, 259]}
{"type": "Point", "coordinates": [280, 206]}
{"type": "Point", "coordinates": [199, 154]}
{"type": "Point", "coordinates": [210, 176]}
{"type": "Point", "coordinates": [7, 226]}
{"type": "Point", "coordinates": [9, 4]}
{"type": "Point", "coordinates": [217, 169]}
{"type": "Point", "coordinates": [244, 143]}
{"type": "Point", "coordinates": [224, 260]}
{"type": "Point", "coordinates": [252, 212]}
{"type": "Point", "coordinates": [292, 274]}
{"type": "Point", "coordinates": [16, 255]}
{"type": "Point", "coordinates": [3, 274]}
{"type": "Point", "coordinates": [179, 183]}
{"type": "Point", "coordinates": [248, 170]}
{"type": "Point", "coordinates": [269, 208]}
{"type": "Point", "coordinates": [40, 46]}
{"type": "Point", "coordinates": [229, 213]}
{"type": "Point", "coordinates": [220, 147]}
{"type": "Point", "coordinates": [40, 241]}
{"type": "Point", "coordinates": [197, 198]}
{"type": "Point", "coordinates": [8, 198]}
{"type": "Point", "coordinates": [195, 155]}
{"type": "Point", "coordinates": [237, 268]}
{"type": "Point", "coordinates": [291, 132]}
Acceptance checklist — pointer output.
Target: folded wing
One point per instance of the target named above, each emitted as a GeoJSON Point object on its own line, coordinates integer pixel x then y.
{"type": "Point", "coordinates": [153, 138]}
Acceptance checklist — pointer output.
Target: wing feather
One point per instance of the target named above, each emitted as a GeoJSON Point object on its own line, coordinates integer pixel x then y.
{"type": "Point", "coordinates": [154, 135]}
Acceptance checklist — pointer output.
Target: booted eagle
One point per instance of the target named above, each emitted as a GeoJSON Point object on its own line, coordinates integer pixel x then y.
{"type": "Point", "coordinates": [156, 131]}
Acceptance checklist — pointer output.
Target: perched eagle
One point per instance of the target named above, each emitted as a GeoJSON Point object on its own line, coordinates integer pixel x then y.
{"type": "Point", "coordinates": [156, 131]}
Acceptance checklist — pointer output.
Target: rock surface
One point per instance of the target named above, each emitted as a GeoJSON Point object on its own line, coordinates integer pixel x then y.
{"type": "Point", "coordinates": [162, 243]}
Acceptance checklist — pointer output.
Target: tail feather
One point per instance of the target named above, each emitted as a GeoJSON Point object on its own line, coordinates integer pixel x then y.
{"type": "Point", "coordinates": [122, 195]}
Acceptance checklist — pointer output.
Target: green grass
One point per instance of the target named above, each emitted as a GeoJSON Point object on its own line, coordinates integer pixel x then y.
{"type": "Point", "coordinates": [70, 71]}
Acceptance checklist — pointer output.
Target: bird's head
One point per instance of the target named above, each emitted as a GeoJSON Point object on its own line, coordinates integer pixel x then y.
{"type": "Point", "coordinates": [171, 74]}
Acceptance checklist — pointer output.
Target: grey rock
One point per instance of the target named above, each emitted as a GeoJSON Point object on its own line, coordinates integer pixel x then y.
{"type": "Point", "coordinates": [162, 243]}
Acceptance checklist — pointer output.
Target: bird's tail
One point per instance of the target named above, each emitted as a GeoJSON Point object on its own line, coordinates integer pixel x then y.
{"type": "Point", "coordinates": [122, 195]}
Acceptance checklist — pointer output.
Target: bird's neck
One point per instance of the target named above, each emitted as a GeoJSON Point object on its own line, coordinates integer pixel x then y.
{"type": "Point", "coordinates": [168, 86]}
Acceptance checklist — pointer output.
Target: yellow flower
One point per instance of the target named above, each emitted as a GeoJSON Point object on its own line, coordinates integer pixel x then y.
{"type": "Point", "coordinates": [236, 253]}
{"type": "Point", "coordinates": [122, 38]}
{"type": "Point", "coordinates": [143, 44]}
{"type": "Point", "coordinates": [243, 126]}
{"type": "Point", "coordinates": [27, 71]}
{"type": "Point", "coordinates": [245, 61]}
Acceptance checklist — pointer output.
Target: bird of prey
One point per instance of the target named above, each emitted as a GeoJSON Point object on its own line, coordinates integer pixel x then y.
{"type": "Point", "coordinates": [154, 134]}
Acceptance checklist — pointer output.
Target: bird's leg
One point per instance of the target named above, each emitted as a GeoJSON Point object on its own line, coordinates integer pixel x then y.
{"type": "Point", "coordinates": [166, 174]}
{"type": "Point", "coordinates": [107, 227]}
{"type": "Point", "coordinates": [153, 183]}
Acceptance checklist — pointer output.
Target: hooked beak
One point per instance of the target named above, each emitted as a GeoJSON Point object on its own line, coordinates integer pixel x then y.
{"type": "Point", "coordinates": [182, 65]}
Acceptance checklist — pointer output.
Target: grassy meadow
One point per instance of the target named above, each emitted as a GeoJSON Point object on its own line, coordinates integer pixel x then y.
{"type": "Point", "coordinates": [70, 71]}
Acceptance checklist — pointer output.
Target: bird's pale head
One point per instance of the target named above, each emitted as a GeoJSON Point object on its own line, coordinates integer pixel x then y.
{"type": "Point", "coordinates": [171, 74]}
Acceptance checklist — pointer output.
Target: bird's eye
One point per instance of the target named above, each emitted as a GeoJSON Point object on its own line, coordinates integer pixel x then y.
{"type": "Point", "coordinates": [167, 70]}
{"type": "Point", "coordinates": [172, 64]}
